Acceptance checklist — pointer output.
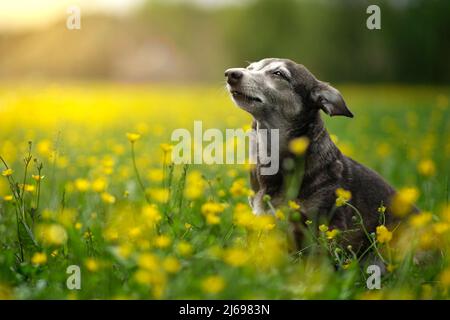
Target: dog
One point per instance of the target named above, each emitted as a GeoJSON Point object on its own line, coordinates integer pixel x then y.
{"type": "Point", "coordinates": [281, 94]}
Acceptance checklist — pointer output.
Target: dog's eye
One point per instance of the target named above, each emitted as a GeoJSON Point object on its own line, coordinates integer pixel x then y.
{"type": "Point", "coordinates": [280, 74]}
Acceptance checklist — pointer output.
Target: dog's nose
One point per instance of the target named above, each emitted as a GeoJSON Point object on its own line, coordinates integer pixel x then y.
{"type": "Point", "coordinates": [233, 76]}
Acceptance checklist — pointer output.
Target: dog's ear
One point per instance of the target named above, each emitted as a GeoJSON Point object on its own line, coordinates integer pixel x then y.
{"type": "Point", "coordinates": [330, 100]}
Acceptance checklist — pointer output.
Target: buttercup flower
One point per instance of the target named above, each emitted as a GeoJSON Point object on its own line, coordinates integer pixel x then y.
{"type": "Point", "coordinates": [293, 205]}
{"type": "Point", "coordinates": [298, 146]}
{"type": "Point", "coordinates": [332, 234]}
{"type": "Point", "coordinates": [445, 278]}
{"type": "Point", "coordinates": [381, 209]}
{"type": "Point", "coordinates": [37, 177]}
{"type": "Point", "coordinates": [383, 234]}
{"type": "Point", "coordinates": [165, 147]}
{"type": "Point", "coordinates": [426, 168]}
{"type": "Point", "coordinates": [39, 258]}
{"type": "Point", "coordinates": [92, 265]}
{"type": "Point", "coordinates": [403, 200]}
{"type": "Point", "coordinates": [7, 172]}
{"type": "Point", "coordinates": [162, 241]}
{"type": "Point", "coordinates": [213, 284]}
{"type": "Point", "coordinates": [342, 197]}
{"type": "Point", "coordinates": [235, 257]}
{"type": "Point", "coordinates": [421, 219]}
{"type": "Point", "coordinates": [51, 234]}
{"type": "Point", "coordinates": [171, 265]}
{"type": "Point", "coordinates": [133, 137]}
{"type": "Point", "coordinates": [184, 249]}
{"type": "Point", "coordinates": [108, 198]}
{"type": "Point", "coordinates": [82, 185]}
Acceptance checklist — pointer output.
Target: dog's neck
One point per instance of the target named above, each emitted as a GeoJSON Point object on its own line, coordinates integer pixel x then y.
{"type": "Point", "coordinates": [321, 148]}
{"type": "Point", "coordinates": [321, 152]}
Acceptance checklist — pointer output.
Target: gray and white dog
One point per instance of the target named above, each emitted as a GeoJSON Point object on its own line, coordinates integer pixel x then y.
{"type": "Point", "coordinates": [281, 94]}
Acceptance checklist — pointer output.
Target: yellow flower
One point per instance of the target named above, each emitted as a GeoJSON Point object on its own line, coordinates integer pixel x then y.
{"type": "Point", "coordinates": [92, 265]}
{"type": "Point", "coordinates": [78, 225]}
{"type": "Point", "coordinates": [39, 258]}
{"type": "Point", "coordinates": [99, 185]}
{"type": "Point", "coordinates": [88, 235]}
{"type": "Point", "coordinates": [299, 146]}
{"type": "Point", "coordinates": [334, 138]}
{"type": "Point", "coordinates": [213, 284]}
{"type": "Point", "coordinates": [403, 200]}
{"type": "Point", "coordinates": [390, 268]}
{"type": "Point", "coordinates": [8, 198]}
{"type": "Point", "coordinates": [212, 219]}
{"type": "Point", "coordinates": [184, 249]}
{"type": "Point", "coordinates": [323, 228]}
{"type": "Point", "coordinates": [238, 188]}
{"type": "Point", "coordinates": [134, 232]}
{"type": "Point", "coordinates": [148, 261]}
{"type": "Point", "coordinates": [82, 185]}
{"type": "Point", "coordinates": [293, 205]}
{"type": "Point", "coordinates": [445, 278]}
{"type": "Point", "coordinates": [37, 177]}
{"type": "Point", "coordinates": [441, 227]}
{"type": "Point", "coordinates": [421, 219]}
{"type": "Point", "coordinates": [51, 234]}
{"type": "Point", "coordinates": [124, 251]}
{"type": "Point", "coordinates": [5, 292]}
{"type": "Point", "coordinates": [427, 240]}
{"type": "Point", "coordinates": [28, 187]}
{"type": "Point", "coordinates": [332, 234]}
{"type": "Point", "coordinates": [342, 197]}
{"type": "Point", "coordinates": [381, 209]}
{"type": "Point", "coordinates": [67, 217]}
{"type": "Point", "coordinates": [195, 185]}
{"type": "Point", "coordinates": [188, 226]}
{"type": "Point", "coordinates": [243, 216]}
{"type": "Point", "coordinates": [212, 208]}
{"type": "Point", "coordinates": [155, 175]}
{"type": "Point", "coordinates": [445, 214]}
{"type": "Point", "coordinates": [7, 172]}
{"type": "Point", "coordinates": [235, 257]}
{"type": "Point", "coordinates": [171, 265]}
{"type": "Point", "coordinates": [162, 241]}
{"type": "Point", "coordinates": [263, 222]}
{"type": "Point", "coordinates": [143, 276]}
{"type": "Point", "coordinates": [280, 215]}
{"type": "Point", "coordinates": [165, 147]}
{"type": "Point", "coordinates": [426, 168]}
{"type": "Point", "coordinates": [151, 214]}
{"type": "Point", "coordinates": [133, 137]}
{"type": "Point", "coordinates": [108, 198]}
{"type": "Point", "coordinates": [383, 234]}
{"type": "Point", "coordinates": [160, 195]}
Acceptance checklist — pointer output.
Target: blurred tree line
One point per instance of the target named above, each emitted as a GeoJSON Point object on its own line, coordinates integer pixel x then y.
{"type": "Point", "coordinates": [180, 41]}
{"type": "Point", "coordinates": [330, 37]}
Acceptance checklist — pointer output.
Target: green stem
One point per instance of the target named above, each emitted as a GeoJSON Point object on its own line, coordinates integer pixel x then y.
{"type": "Point", "coordinates": [366, 232]}
{"type": "Point", "coordinates": [136, 171]}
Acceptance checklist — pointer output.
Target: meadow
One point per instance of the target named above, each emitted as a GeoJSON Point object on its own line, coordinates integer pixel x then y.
{"type": "Point", "coordinates": [86, 180]}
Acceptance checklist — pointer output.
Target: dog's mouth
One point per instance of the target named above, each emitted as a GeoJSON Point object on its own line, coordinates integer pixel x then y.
{"type": "Point", "coordinates": [238, 95]}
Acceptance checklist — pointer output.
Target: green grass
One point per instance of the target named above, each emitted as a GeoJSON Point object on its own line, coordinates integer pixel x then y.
{"type": "Point", "coordinates": [158, 239]}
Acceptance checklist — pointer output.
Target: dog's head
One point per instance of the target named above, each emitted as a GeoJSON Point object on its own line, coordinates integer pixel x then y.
{"type": "Point", "coordinates": [284, 90]}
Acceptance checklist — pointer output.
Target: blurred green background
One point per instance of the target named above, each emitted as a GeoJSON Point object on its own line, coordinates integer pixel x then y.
{"type": "Point", "coordinates": [194, 41]}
